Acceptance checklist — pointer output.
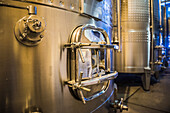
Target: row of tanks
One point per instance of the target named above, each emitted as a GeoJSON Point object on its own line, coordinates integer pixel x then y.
{"type": "Point", "coordinates": [134, 54]}
{"type": "Point", "coordinates": [62, 56]}
{"type": "Point", "coordinates": [141, 50]}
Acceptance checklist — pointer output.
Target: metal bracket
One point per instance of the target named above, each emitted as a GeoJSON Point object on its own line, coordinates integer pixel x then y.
{"type": "Point", "coordinates": [89, 46]}
{"type": "Point", "coordinates": [159, 47]}
{"type": "Point", "coordinates": [78, 50]}
{"type": "Point", "coordinates": [81, 84]}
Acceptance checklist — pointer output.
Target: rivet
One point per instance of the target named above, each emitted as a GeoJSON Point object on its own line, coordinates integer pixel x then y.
{"type": "Point", "coordinates": [61, 3]}
{"type": "Point", "coordinates": [24, 34]}
{"type": "Point", "coordinates": [72, 6]}
{"type": "Point", "coordinates": [41, 36]}
{"type": "Point", "coordinates": [21, 38]}
{"type": "Point", "coordinates": [24, 19]}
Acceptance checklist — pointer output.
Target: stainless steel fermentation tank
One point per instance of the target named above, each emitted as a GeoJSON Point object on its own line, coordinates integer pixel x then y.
{"type": "Point", "coordinates": [132, 28]}
{"type": "Point", "coordinates": [134, 53]}
{"type": "Point", "coordinates": [56, 57]}
{"type": "Point", "coordinates": [156, 37]}
{"type": "Point", "coordinates": [138, 29]}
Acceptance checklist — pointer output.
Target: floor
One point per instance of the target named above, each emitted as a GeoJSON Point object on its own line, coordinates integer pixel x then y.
{"type": "Point", "coordinates": [157, 100]}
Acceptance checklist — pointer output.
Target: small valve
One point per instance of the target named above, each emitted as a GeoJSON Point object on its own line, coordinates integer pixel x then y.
{"type": "Point", "coordinates": [30, 29]}
{"type": "Point", "coordinates": [118, 104]}
{"type": "Point", "coordinates": [121, 106]}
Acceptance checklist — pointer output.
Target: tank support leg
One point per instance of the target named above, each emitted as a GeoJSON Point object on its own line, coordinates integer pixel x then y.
{"type": "Point", "coordinates": [146, 77]}
{"type": "Point", "coordinates": [156, 75]}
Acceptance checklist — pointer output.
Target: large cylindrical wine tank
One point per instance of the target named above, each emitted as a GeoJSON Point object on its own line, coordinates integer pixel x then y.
{"type": "Point", "coordinates": [34, 59]}
{"type": "Point", "coordinates": [135, 31]}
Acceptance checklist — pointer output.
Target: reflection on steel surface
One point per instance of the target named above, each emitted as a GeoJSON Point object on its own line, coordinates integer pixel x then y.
{"type": "Point", "coordinates": [99, 9]}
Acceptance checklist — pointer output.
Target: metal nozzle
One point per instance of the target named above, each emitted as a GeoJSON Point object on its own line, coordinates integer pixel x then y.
{"type": "Point", "coordinates": [32, 10]}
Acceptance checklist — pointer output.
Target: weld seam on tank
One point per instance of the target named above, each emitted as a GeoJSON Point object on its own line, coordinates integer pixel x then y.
{"type": "Point", "coordinates": [77, 12]}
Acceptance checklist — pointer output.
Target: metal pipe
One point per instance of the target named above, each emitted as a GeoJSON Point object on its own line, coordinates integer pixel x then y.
{"type": "Point", "coordinates": [81, 55]}
{"type": "Point", "coordinates": [82, 97]}
{"type": "Point", "coordinates": [119, 25]}
{"type": "Point", "coordinates": [160, 14]}
{"type": "Point", "coordinates": [165, 22]}
{"type": "Point", "coordinates": [115, 23]}
{"type": "Point", "coordinates": [165, 39]}
{"type": "Point", "coordinates": [31, 9]}
{"type": "Point", "coordinates": [168, 25]}
{"type": "Point", "coordinates": [160, 22]}
{"type": "Point", "coordinates": [152, 35]}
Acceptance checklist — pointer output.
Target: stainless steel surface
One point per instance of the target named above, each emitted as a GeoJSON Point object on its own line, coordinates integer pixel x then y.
{"type": "Point", "coordinates": [160, 13]}
{"type": "Point", "coordinates": [119, 25]}
{"type": "Point", "coordinates": [156, 19]}
{"type": "Point", "coordinates": [152, 35]}
{"type": "Point", "coordinates": [33, 77]}
{"type": "Point", "coordinates": [169, 27]}
{"type": "Point", "coordinates": [168, 50]}
{"type": "Point", "coordinates": [161, 42]}
{"type": "Point", "coordinates": [98, 9]}
{"type": "Point", "coordinates": [146, 78]}
{"type": "Point", "coordinates": [68, 5]}
{"type": "Point", "coordinates": [160, 21]}
{"type": "Point", "coordinates": [115, 22]}
{"type": "Point", "coordinates": [156, 36]}
{"type": "Point", "coordinates": [135, 53]}
{"type": "Point", "coordinates": [102, 9]}
{"type": "Point", "coordinates": [165, 23]}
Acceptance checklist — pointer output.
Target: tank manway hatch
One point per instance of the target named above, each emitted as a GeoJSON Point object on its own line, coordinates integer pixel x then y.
{"type": "Point", "coordinates": [89, 62]}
